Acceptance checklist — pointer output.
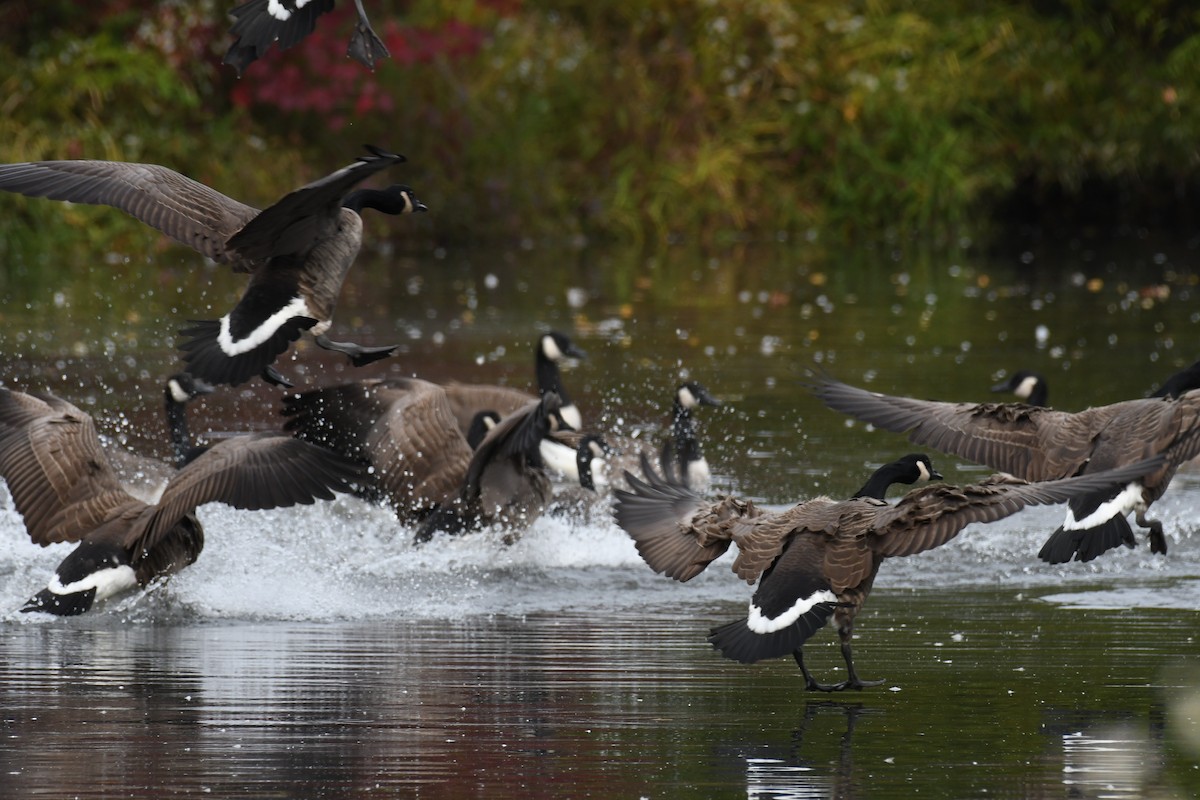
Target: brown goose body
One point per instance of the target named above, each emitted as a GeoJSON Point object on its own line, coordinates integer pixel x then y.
{"type": "Point", "coordinates": [65, 490]}
{"type": "Point", "coordinates": [466, 400]}
{"type": "Point", "coordinates": [420, 460]}
{"type": "Point", "coordinates": [1038, 444]}
{"type": "Point", "coordinates": [818, 559]}
{"type": "Point", "coordinates": [297, 251]}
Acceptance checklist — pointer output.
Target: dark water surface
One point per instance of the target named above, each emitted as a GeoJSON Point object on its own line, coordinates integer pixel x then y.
{"type": "Point", "coordinates": [315, 653]}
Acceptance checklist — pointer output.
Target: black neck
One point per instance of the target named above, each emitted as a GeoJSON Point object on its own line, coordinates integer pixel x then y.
{"type": "Point", "coordinates": [684, 444]}
{"type": "Point", "coordinates": [385, 201]}
{"type": "Point", "coordinates": [882, 479]}
{"type": "Point", "coordinates": [583, 461]}
{"type": "Point", "coordinates": [1040, 396]}
{"type": "Point", "coordinates": [181, 438]}
{"type": "Point", "coordinates": [549, 379]}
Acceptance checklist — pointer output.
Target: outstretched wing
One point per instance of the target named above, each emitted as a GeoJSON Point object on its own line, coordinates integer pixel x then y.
{"type": "Point", "coordinates": [58, 476]}
{"type": "Point", "coordinates": [295, 222]}
{"type": "Point", "coordinates": [928, 517]}
{"type": "Point", "coordinates": [677, 532]}
{"type": "Point", "coordinates": [254, 471]}
{"type": "Point", "coordinates": [1030, 442]}
{"type": "Point", "coordinates": [186, 210]}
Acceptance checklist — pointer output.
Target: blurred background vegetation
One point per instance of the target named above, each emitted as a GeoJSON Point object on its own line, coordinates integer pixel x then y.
{"type": "Point", "coordinates": [648, 122]}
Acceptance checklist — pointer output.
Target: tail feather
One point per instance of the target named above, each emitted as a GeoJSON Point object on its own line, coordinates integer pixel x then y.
{"type": "Point", "coordinates": [738, 642]}
{"type": "Point", "coordinates": [1086, 544]}
{"type": "Point", "coordinates": [207, 361]}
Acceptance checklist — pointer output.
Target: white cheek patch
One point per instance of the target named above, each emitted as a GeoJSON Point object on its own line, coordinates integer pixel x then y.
{"type": "Point", "coordinates": [571, 416]}
{"type": "Point", "coordinates": [686, 398]}
{"type": "Point", "coordinates": [1128, 499]}
{"type": "Point", "coordinates": [550, 348]}
{"type": "Point", "coordinates": [177, 392]}
{"type": "Point", "coordinates": [260, 335]}
{"type": "Point", "coordinates": [1025, 389]}
{"type": "Point", "coordinates": [761, 624]}
{"type": "Point", "coordinates": [923, 471]}
{"type": "Point", "coordinates": [597, 467]}
{"type": "Point", "coordinates": [107, 582]}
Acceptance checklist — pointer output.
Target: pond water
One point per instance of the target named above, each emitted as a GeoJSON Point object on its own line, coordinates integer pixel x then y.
{"type": "Point", "coordinates": [314, 652]}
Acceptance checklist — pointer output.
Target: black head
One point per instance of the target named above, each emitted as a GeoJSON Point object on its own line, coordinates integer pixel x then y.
{"type": "Point", "coordinates": [915, 468]}
{"type": "Point", "coordinates": [395, 199]}
{"type": "Point", "coordinates": [183, 387]}
{"type": "Point", "coordinates": [1029, 387]}
{"type": "Point", "coordinates": [557, 346]}
{"type": "Point", "coordinates": [481, 424]}
{"type": "Point", "coordinates": [691, 394]}
{"type": "Point", "coordinates": [912, 468]}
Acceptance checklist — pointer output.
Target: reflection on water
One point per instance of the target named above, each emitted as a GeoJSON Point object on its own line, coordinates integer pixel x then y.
{"type": "Point", "coordinates": [580, 704]}
{"type": "Point", "coordinates": [315, 652]}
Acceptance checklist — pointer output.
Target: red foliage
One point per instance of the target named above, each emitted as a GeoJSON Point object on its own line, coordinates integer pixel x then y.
{"type": "Point", "coordinates": [317, 76]}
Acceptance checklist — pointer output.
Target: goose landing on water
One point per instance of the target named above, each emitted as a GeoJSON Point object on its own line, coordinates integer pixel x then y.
{"type": "Point", "coordinates": [296, 251]}
{"type": "Point", "coordinates": [819, 559]}
{"type": "Point", "coordinates": [421, 463]}
{"type": "Point", "coordinates": [1039, 444]}
{"type": "Point", "coordinates": [261, 23]}
{"type": "Point", "coordinates": [65, 490]}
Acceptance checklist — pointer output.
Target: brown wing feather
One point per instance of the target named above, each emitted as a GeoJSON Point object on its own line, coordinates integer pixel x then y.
{"type": "Point", "coordinates": [186, 210]}
{"type": "Point", "coordinates": [466, 400]}
{"type": "Point", "coordinates": [675, 531]}
{"type": "Point", "coordinates": [1029, 442]}
{"type": "Point", "coordinates": [253, 471]}
{"type": "Point", "coordinates": [304, 216]}
{"type": "Point", "coordinates": [419, 450]}
{"type": "Point", "coordinates": [59, 478]}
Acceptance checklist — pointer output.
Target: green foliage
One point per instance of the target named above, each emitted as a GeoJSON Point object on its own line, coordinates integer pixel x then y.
{"type": "Point", "coordinates": [650, 121]}
{"type": "Point", "coordinates": [115, 92]}
{"type": "Point", "coordinates": [675, 118]}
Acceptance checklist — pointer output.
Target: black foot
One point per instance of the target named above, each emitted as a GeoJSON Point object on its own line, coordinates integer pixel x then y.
{"type": "Point", "coordinates": [1158, 541]}
{"type": "Point", "coordinates": [359, 356]}
{"type": "Point", "coordinates": [856, 684]}
{"type": "Point", "coordinates": [365, 47]}
{"type": "Point", "coordinates": [272, 376]}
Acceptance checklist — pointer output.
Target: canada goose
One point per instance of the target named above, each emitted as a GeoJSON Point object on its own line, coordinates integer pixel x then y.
{"type": "Point", "coordinates": [682, 459]}
{"type": "Point", "coordinates": [297, 251]}
{"type": "Point", "coordinates": [506, 482]}
{"type": "Point", "coordinates": [818, 559]}
{"type": "Point", "coordinates": [552, 348]}
{"type": "Point", "coordinates": [1039, 444]}
{"type": "Point", "coordinates": [1029, 387]}
{"type": "Point", "coordinates": [261, 23]}
{"type": "Point", "coordinates": [63, 487]}
{"type": "Point", "coordinates": [420, 462]}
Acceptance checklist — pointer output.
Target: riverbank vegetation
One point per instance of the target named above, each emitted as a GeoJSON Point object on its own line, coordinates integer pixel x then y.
{"type": "Point", "coordinates": [644, 122]}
